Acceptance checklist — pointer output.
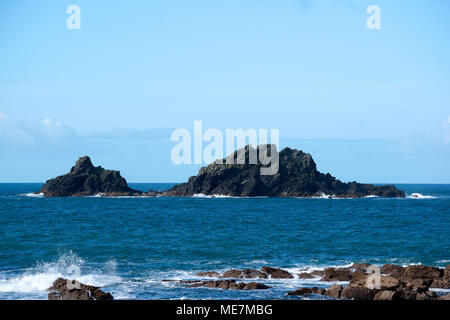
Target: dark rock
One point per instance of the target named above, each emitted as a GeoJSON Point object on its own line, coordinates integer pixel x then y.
{"type": "Point", "coordinates": [197, 284]}
{"type": "Point", "coordinates": [385, 295]}
{"type": "Point", "coordinates": [86, 180]}
{"type": "Point", "coordinates": [425, 273]}
{"type": "Point", "coordinates": [336, 274]}
{"type": "Point", "coordinates": [60, 291]}
{"type": "Point", "coordinates": [445, 297]}
{"type": "Point", "coordinates": [334, 291]}
{"type": "Point", "coordinates": [321, 291]}
{"type": "Point", "coordinates": [429, 295]}
{"type": "Point", "coordinates": [297, 177]}
{"type": "Point", "coordinates": [406, 293]}
{"type": "Point", "coordinates": [276, 273]}
{"type": "Point", "coordinates": [230, 285]}
{"type": "Point", "coordinates": [211, 274]}
{"type": "Point", "coordinates": [244, 274]}
{"type": "Point", "coordinates": [233, 273]}
{"type": "Point", "coordinates": [389, 283]}
{"type": "Point", "coordinates": [418, 285]}
{"type": "Point", "coordinates": [447, 273]}
{"type": "Point", "coordinates": [360, 266]}
{"type": "Point", "coordinates": [237, 286]}
{"type": "Point", "coordinates": [440, 284]}
{"type": "Point", "coordinates": [393, 270]}
{"type": "Point", "coordinates": [255, 286]}
{"type": "Point", "coordinates": [357, 293]}
{"type": "Point", "coordinates": [300, 292]}
{"type": "Point", "coordinates": [386, 282]}
{"type": "Point", "coordinates": [317, 273]}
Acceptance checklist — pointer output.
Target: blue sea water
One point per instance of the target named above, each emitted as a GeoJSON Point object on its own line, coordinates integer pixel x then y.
{"type": "Point", "coordinates": [129, 245]}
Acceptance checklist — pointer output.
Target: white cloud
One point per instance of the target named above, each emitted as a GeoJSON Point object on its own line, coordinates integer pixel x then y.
{"type": "Point", "coordinates": [21, 133]}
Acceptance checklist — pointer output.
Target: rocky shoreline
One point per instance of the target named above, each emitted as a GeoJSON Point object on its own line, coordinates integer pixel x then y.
{"type": "Point", "coordinates": [415, 282]}
{"type": "Point", "coordinates": [395, 282]}
{"type": "Point", "coordinates": [297, 177]}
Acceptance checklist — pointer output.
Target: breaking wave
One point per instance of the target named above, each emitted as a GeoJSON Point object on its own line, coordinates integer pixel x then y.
{"type": "Point", "coordinates": [33, 195]}
{"type": "Point", "coordinates": [39, 278]}
{"type": "Point", "coordinates": [419, 196]}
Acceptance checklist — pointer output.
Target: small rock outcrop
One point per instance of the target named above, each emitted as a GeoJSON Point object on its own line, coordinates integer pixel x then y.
{"type": "Point", "coordinates": [86, 180]}
{"type": "Point", "coordinates": [266, 272]}
{"type": "Point", "coordinates": [297, 176]}
{"type": "Point", "coordinates": [244, 274]}
{"type": "Point", "coordinates": [60, 291]}
{"type": "Point", "coordinates": [276, 273]}
{"type": "Point", "coordinates": [227, 284]}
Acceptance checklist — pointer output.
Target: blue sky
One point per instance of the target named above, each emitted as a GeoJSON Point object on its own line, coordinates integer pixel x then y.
{"type": "Point", "coordinates": [369, 105]}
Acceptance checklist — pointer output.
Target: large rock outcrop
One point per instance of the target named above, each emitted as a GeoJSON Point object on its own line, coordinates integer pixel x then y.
{"type": "Point", "coordinates": [297, 176]}
{"type": "Point", "coordinates": [86, 180]}
{"type": "Point", "coordinates": [61, 291]}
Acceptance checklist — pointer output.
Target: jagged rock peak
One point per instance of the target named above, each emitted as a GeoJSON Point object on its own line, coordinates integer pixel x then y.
{"type": "Point", "coordinates": [82, 165]}
{"type": "Point", "coordinates": [86, 180]}
{"type": "Point", "coordinates": [297, 176]}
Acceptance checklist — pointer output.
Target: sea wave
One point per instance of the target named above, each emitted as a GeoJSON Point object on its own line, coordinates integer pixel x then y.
{"type": "Point", "coordinates": [222, 196]}
{"type": "Point", "coordinates": [39, 278]}
{"type": "Point", "coordinates": [419, 196]}
{"type": "Point", "coordinates": [33, 195]}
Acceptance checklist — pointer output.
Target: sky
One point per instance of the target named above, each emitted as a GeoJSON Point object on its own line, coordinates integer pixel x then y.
{"type": "Point", "coordinates": [369, 105]}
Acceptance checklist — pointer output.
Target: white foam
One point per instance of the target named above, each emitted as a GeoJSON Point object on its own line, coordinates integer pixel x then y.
{"type": "Point", "coordinates": [264, 262]}
{"type": "Point", "coordinates": [419, 196]}
{"type": "Point", "coordinates": [33, 195]}
{"type": "Point", "coordinates": [28, 283]}
{"type": "Point", "coordinates": [443, 261]}
{"type": "Point", "coordinates": [38, 279]}
{"type": "Point", "coordinates": [440, 290]}
{"type": "Point", "coordinates": [201, 195]}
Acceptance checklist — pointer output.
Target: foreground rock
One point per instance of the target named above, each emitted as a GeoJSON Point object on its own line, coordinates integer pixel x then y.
{"type": "Point", "coordinates": [297, 176]}
{"type": "Point", "coordinates": [306, 291]}
{"type": "Point", "coordinates": [396, 283]}
{"type": "Point", "coordinates": [60, 291]}
{"type": "Point", "coordinates": [86, 180]}
{"type": "Point", "coordinates": [266, 272]}
{"type": "Point", "coordinates": [245, 274]}
{"type": "Point", "coordinates": [228, 285]}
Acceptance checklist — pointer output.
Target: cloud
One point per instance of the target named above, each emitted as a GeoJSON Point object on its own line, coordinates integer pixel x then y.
{"type": "Point", "coordinates": [23, 134]}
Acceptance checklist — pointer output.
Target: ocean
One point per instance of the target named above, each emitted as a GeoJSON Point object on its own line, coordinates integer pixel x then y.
{"type": "Point", "coordinates": [129, 245]}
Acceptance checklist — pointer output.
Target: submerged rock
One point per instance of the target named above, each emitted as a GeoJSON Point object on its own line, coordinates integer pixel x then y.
{"type": "Point", "coordinates": [60, 291]}
{"type": "Point", "coordinates": [297, 176]}
{"type": "Point", "coordinates": [86, 180]}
